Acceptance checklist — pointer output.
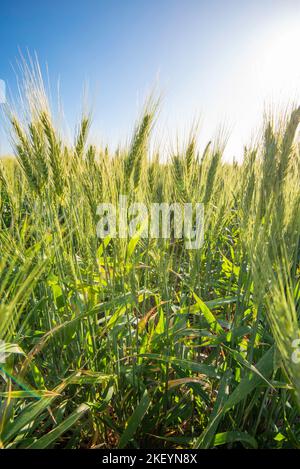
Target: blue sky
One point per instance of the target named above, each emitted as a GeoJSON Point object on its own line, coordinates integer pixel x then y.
{"type": "Point", "coordinates": [217, 60]}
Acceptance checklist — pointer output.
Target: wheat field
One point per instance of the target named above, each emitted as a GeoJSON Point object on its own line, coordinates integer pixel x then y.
{"type": "Point", "coordinates": [141, 343]}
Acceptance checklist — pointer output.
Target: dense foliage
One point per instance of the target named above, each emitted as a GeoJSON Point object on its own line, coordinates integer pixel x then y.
{"type": "Point", "coordinates": [141, 342]}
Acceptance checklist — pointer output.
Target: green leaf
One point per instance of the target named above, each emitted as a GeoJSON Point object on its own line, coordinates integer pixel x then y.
{"type": "Point", "coordinates": [210, 318]}
{"type": "Point", "coordinates": [245, 387]}
{"type": "Point", "coordinates": [252, 380]}
{"type": "Point", "coordinates": [202, 368]}
{"type": "Point", "coordinates": [49, 438]}
{"type": "Point", "coordinates": [231, 437]}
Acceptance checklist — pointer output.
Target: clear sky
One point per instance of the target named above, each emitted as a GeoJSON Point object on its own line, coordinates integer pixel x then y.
{"type": "Point", "coordinates": [217, 60]}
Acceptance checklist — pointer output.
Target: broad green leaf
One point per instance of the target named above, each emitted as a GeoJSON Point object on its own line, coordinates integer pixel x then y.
{"type": "Point", "coordinates": [202, 368]}
{"type": "Point", "coordinates": [49, 438]}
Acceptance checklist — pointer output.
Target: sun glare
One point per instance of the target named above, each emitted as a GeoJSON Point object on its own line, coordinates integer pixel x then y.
{"type": "Point", "coordinates": [277, 66]}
